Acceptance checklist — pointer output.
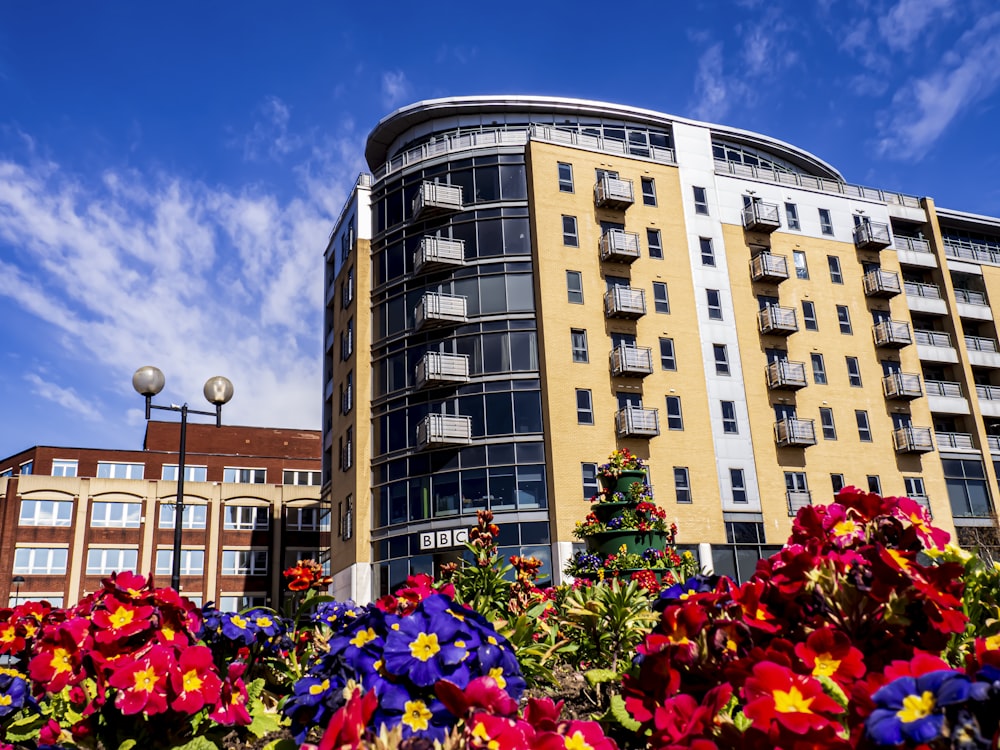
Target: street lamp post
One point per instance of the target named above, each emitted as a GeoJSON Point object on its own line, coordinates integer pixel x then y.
{"type": "Point", "coordinates": [17, 581]}
{"type": "Point", "coordinates": [149, 381]}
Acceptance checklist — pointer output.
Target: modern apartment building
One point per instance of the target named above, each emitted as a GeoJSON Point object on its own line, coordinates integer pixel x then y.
{"type": "Point", "coordinates": [523, 284]}
{"type": "Point", "coordinates": [71, 516]}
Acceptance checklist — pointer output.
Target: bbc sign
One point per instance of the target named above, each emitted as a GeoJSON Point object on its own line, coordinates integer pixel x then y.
{"type": "Point", "coordinates": [443, 539]}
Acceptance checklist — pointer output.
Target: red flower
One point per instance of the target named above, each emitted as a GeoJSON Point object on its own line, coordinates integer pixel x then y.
{"type": "Point", "coordinates": [490, 731]}
{"type": "Point", "coordinates": [116, 620]}
{"type": "Point", "coordinates": [682, 720]}
{"type": "Point", "coordinates": [574, 735]}
{"type": "Point", "coordinates": [195, 683]}
{"type": "Point", "coordinates": [543, 713]}
{"type": "Point", "coordinates": [128, 584]}
{"type": "Point", "coordinates": [755, 613]}
{"type": "Point", "coordinates": [347, 725]}
{"type": "Point", "coordinates": [829, 653]}
{"type": "Point", "coordinates": [482, 694]}
{"type": "Point", "coordinates": [779, 698]}
{"type": "Point", "coordinates": [916, 515]}
{"type": "Point", "coordinates": [232, 706]}
{"type": "Point", "coordinates": [142, 682]}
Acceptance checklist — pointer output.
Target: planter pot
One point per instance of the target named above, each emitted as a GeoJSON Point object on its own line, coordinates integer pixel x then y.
{"type": "Point", "coordinates": [636, 542]}
{"type": "Point", "coordinates": [606, 511]}
{"type": "Point", "coordinates": [622, 482]}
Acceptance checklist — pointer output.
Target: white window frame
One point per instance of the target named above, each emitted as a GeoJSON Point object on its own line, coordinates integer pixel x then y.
{"type": "Point", "coordinates": [738, 484]}
{"type": "Point", "coordinates": [682, 485]}
{"type": "Point", "coordinates": [654, 241]}
{"type": "Point", "coordinates": [103, 561]}
{"type": "Point", "coordinates": [256, 475]}
{"type": "Point", "coordinates": [308, 518]}
{"type": "Point", "coordinates": [191, 473]}
{"type": "Point", "coordinates": [578, 345]}
{"type": "Point", "coordinates": [670, 359]}
{"type": "Point", "coordinates": [192, 562]}
{"type": "Point", "coordinates": [115, 514]}
{"type": "Point", "coordinates": [120, 470]}
{"type": "Point", "coordinates": [195, 516]}
{"type": "Point", "coordinates": [65, 467]}
{"type": "Point", "coordinates": [661, 298]}
{"type": "Point", "coordinates": [236, 517]}
{"type": "Point", "coordinates": [574, 287]}
{"type": "Point", "coordinates": [46, 513]}
{"type": "Point", "coordinates": [730, 422]}
{"type": "Point", "coordinates": [313, 477]}
{"type": "Point", "coordinates": [675, 417]}
{"type": "Point", "coordinates": [565, 182]}
{"type": "Point", "coordinates": [826, 221]}
{"type": "Point", "coordinates": [244, 562]}
{"type": "Point", "coordinates": [700, 200]}
{"type": "Point", "coordinates": [40, 561]}
{"type": "Point", "coordinates": [585, 413]}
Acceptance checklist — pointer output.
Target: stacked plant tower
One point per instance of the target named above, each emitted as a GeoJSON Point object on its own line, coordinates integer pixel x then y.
{"type": "Point", "coordinates": [626, 533]}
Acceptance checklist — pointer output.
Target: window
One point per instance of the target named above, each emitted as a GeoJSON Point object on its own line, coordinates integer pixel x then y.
{"type": "Point", "coordinates": [714, 304]}
{"type": "Point", "coordinates": [801, 268]}
{"type": "Point", "coordinates": [667, 359]}
{"type": "Point", "coordinates": [682, 484]}
{"type": "Point", "coordinates": [63, 467]}
{"type": "Point", "coordinates": [864, 428]}
{"type": "Point", "coordinates": [826, 421]}
{"type": "Point", "coordinates": [584, 407]}
{"type": "Point", "coordinates": [347, 457]}
{"type": "Point", "coordinates": [729, 424]}
{"type": "Point", "coordinates": [347, 289]}
{"type": "Point", "coordinates": [574, 287]}
{"type": "Point", "coordinates": [700, 200]}
{"type": "Point", "coordinates": [844, 318]}
{"type": "Point", "coordinates": [915, 487]}
{"type": "Point", "coordinates": [570, 237]}
{"type": "Point", "coordinates": [675, 420]}
{"type": "Point", "coordinates": [191, 473]}
{"type": "Point", "coordinates": [347, 521]}
{"type": "Point", "coordinates": [565, 177]}
{"type": "Point", "coordinates": [195, 516]}
{"type": "Point", "coordinates": [819, 369]}
{"type": "Point", "coordinates": [116, 515]}
{"type": "Point", "coordinates": [825, 222]}
{"type": "Point", "coordinates": [40, 561]}
{"type": "Point", "coordinates": [244, 562]}
{"type": "Point", "coordinates": [967, 492]}
{"type": "Point", "coordinates": [707, 251]}
{"type": "Point", "coordinates": [836, 276]}
{"type": "Point", "coordinates": [792, 216]}
{"type": "Point", "coordinates": [738, 559]}
{"type": "Point", "coordinates": [838, 483]}
{"type": "Point", "coordinates": [28, 467]}
{"type": "Point", "coordinates": [347, 340]}
{"type": "Point", "coordinates": [648, 191]}
{"type": "Point", "coordinates": [307, 518]}
{"type": "Point", "coordinates": [661, 301]}
{"type": "Point", "coordinates": [108, 470]}
{"type": "Point", "coordinates": [853, 372]}
{"type": "Point", "coordinates": [809, 316]}
{"type": "Point", "coordinates": [654, 243]}
{"type": "Point", "coordinates": [240, 602]}
{"type": "Point", "coordinates": [302, 477]}
{"type": "Point", "coordinates": [6, 473]}
{"type": "Point", "coordinates": [347, 396]}
{"type": "Point", "coordinates": [578, 340]}
{"type": "Point", "coordinates": [721, 359]}
{"type": "Point", "coordinates": [192, 562]}
{"type": "Point", "coordinates": [738, 482]}
{"type": "Point", "coordinates": [244, 476]}
{"type": "Point", "coordinates": [102, 562]}
{"type": "Point", "coordinates": [46, 513]}
{"type": "Point", "coordinates": [246, 517]}
{"type": "Point", "coordinates": [874, 484]}
{"type": "Point", "coordinates": [590, 485]}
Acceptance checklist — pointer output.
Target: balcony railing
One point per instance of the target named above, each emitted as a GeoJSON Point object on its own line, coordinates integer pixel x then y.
{"type": "Point", "coordinates": [969, 250]}
{"type": "Point", "coordinates": [797, 499]}
{"type": "Point", "coordinates": [901, 385]}
{"type": "Point", "coordinates": [961, 441]}
{"type": "Point", "coordinates": [769, 268]}
{"type": "Point", "coordinates": [913, 440]}
{"type": "Point", "coordinates": [872, 235]}
{"type": "Point", "coordinates": [435, 309]}
{"type": "Point", "coordinates": [892, 333]}
{"type": "Point", "coordinates": [619, 246]}
{"type": "Point", "coordinates": [943, 388]}
{"type": "Point", "coordinates": [791, 432]}
{"type": "Point", "coordinates": [988, 392]}
{"type": "Point", "coordinates": [761, 217]}
{"type": "Point", "coordinates": [433, 198]}
{"type": "Point", "coordinates": [926, 291]}
{"type": "Point", "coordinates": [980, 344]}
{"type": "Point", "coordinates": [631, 361]}
{"type": "Point", "coordinates": [435, 253]}
{"type": "Point", "coordinates": [612, 192]}
{"type": "Point", "coordinates": [438, 430]}
{"type": "Point", "coordinates": [437, 368]}
{"type": "Point", "coordinates": [779, 321]}
{"type": "Point", "coordinates": [992, 441]}
{"type": "Point", "coordinates": [932, 338]}
{"type": "Point", "coordinates": [659, 154]}
{"type": "Point", "coordinates": [634, 421]}
{"type": "Point", "coordinates": [969, 297]}
{"type": "Point", "coordinates": [625, 302]}
{"type": "Point", "coordinates": [879, 283]}
{"type": "Point", "coordinates": [913, 244]}
{"type": "Point", "coordinates": [786, 376]}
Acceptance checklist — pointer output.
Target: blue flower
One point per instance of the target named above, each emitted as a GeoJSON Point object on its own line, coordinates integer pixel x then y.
{"type": "Point", "coordinates": [14, 694]}
{"type": "Point", "coordinates": [425, 646]}
{"type": "Point", "coordinates": [239, 628]}
{"type": "Point", "coordinates": [420, 715]}
{"type": "Point", "coordinates": [911, 708]}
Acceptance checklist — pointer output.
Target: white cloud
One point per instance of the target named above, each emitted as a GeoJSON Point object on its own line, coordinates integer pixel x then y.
{"type": "Point", "coordinates": [924, 107]}
{"type": "Point", "coordinates": [64, 396]}
{"type": "Point", "coordinates": [395, 88]}
{"type": "Point", "coordinates": [270, 137]}
{"type": "Point", "coordinates": [911, 20]}
{"type": "Point", "coordinates": [712, 88]}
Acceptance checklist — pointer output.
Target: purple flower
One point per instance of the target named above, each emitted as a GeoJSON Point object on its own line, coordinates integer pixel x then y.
{"type": "Point", "coordinates": [912, 708]}
{"type": "Point", "coordinates": [424, 645]}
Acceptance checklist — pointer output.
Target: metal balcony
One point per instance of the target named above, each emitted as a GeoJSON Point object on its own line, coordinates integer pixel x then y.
{"type": "Point", "coordinates": [634, 421]}
{"type": "Point", "coordinates": [625, 302]}
{"type": "Point", "coordinates": [786, 376]}
{"type": "Point", "coordinates": [433, 199]}
{"type": "Point", "coordinates": [792, 432]}
{"type": "Point", "coordinates": [893, 334]}
{"type": "Point", "coordinates": [435, 309]}
{"type": "Point", "coordinates": [912, 251]}
{"type": "Point", "coordinates": [902, 385]}
{"type": "Point", "coordinates": [913, 440]}
{"type": "Point", "coordinates": [982, 351]}
{"type": "Point", "coordinates": [631, 361]}
{"type": "Point", "coordinates": [872, 235]}
{"type": "Point", "coordinates": [761, 217]}
{"type": "Point", "coordinates": [611, 192]}
{"type": "Point", "coordinates": [435, 253]}
{"type": "Point", "coordinates": [769, 268]}
{"type": "Point", "coordinates": [619, 246]}
{"type": "Point", "coordinates": [437, 369]}
{"type": "Point", "coordinates": [440, 430]}
{"type": "Point", "coordinates": [879, 283]}
{"type": "Point", "coordinates": [989, 400]}
{"type": "Point", "coordinates": [797, 499]}
{"type": "Point", "coordinates": [778, 321]}
{"type": "Point", "coordinates": [957, 441]}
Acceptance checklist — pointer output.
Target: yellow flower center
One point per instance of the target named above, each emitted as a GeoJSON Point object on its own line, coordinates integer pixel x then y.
{"type": "Point", "coordinates": [483, 736]}
{"type": "Point", "coordinates": [192, 681]}
{"type": "Point", "coordinates": [825, 665]}
{"type": "Point", "coordinates": [264, 622]}
{"type": "Point", "coordinates": [791, 702]}
{"type": "Point", "coordinates": [416, 716]}
{"type": "Point", "coordinates": [577, 742]}
{"type": "Point", "coordinates": [916, 707]}
{"type": "Point", "coordinates": [497, 674]}
{"type": "Point", "coordinates": [845, 527]}
{"type": "Point", "coordinates": [121, 617]}
{"type": "Point", "coordinates": [491, 640]}
{"type": "Point", "coordinates": [425, 646]}
{"type": "Point", "coordinates": [6, 700]}
{"type": "Point", "coordinates": [239, 622]}
{"type": "Point", "coordinates": [321, 688]}
{"type": "Point", "coordinates": [363, 637]}
{"type": "Point", "coordinates": [61, 660]}
{"type": "Point", "coordinates": [145, 679]}
{"type": "Point", "coordinates": [993, 643]}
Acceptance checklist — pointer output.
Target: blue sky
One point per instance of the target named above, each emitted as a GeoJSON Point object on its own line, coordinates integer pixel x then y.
{"type": "Point", "coordinates": [169, 172]}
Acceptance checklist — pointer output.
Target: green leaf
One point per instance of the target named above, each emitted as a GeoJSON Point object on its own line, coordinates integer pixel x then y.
{"type": "Point", "coordinates": [741, 721]}
{"type": "Point", "coordinates": [198, 743]}
{"type": "Point", "coordinates": [127, 745]}
{"type": "Point", "coordinates": [24, 729]}
{"type": "Point", "coordinates": [255, 688]}
{"type": "Point", "coordinates": [597, 676]}
{"type": "Point", "coordinates": [285, 744]}
{"type": "Point", "coordinates": [263, 723]}
{"type": "Point", "coordinates": [834, 690]}
{"type": "Point", "coordinates": [621, 714]}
